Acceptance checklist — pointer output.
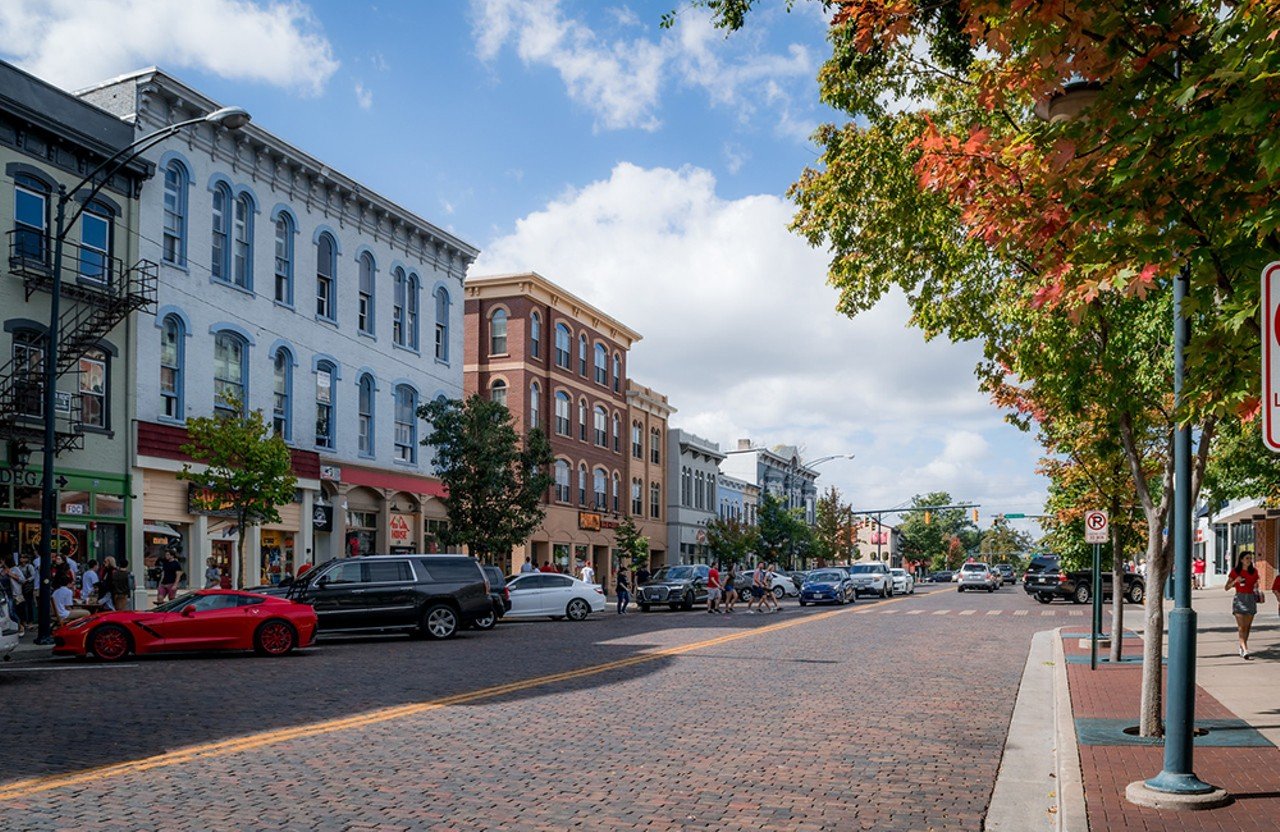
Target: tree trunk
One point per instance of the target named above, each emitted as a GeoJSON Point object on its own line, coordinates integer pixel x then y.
{"type": "Point", "coordinates": [237, 580]}
{"type": "Point", "coordinates": [1151, 707]}
{"type": "Point", "coordinates": [1117, 586]}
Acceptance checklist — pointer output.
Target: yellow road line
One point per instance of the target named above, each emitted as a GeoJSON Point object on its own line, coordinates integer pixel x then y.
{"type": "Point", "coordinates": [221, 748]}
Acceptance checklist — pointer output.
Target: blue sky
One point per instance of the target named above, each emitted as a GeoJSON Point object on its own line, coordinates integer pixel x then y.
{"type": "Point", "coordinates": [643, 169]}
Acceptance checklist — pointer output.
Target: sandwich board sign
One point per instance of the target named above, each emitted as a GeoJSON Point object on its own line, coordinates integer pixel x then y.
{"type": "Point", "coordinates": [1095, 527]}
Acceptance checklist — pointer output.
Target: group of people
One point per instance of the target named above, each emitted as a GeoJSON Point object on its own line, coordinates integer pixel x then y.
{"type": "Point", "coordinates": [104, 584]}
{"type": "Point", "coordinates": [723, 583]}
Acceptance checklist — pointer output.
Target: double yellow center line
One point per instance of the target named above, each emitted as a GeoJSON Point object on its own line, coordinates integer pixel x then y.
{"type": "Point", "coordinates": [206, 751]}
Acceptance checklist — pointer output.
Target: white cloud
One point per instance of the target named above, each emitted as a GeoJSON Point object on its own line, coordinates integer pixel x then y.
{"type": "Point", "coordinates": [74, 43]}
{"type": "Point", "coordinates": [621, 81]}
{"type": "Point", "coordinates": [735, 156]}
{"type": "Point", "coordinates": [740, 331]}
{"type": "Point", "coordinates": [364, 97]}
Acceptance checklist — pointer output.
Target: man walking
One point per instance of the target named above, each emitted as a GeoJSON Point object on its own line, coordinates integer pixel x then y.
{"type": "Point", "coordinates": [527, 567]}
{"type": "Point", "coordinates": [622, 586]}
{"type": "Point", "coordinates": [170, 574]}
{"type": "Point", "coordinates": [713, 589]}
{"type": "Point", "coordinates": [587, 574]}
{"type": "Point", "coordinates": [729, 590]}
{"type": "Point", "coordinates": [757, 589]}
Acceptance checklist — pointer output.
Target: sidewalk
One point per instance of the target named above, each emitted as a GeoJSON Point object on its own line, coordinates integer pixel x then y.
{"type": "Point", "coordinates": [1238, 702]}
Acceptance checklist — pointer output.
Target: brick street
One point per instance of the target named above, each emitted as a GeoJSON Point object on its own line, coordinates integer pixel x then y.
{"type": "Point", "coordinates": [885, 715]}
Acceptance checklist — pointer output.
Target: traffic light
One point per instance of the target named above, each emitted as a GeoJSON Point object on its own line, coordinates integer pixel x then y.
{"type": "Point", "coordinates": [928, 517]}
{"type": "Point", "coordinates": [975, 515]}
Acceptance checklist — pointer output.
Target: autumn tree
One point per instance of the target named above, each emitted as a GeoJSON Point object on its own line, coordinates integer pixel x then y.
{"type": "Point", "coordinates": [731, 540]}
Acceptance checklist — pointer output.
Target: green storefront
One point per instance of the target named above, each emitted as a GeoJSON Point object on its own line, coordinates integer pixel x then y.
{"type": "Point", "coordinates": [93, 514]}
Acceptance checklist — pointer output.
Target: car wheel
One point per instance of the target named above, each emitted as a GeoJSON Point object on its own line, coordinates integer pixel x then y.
{"type": "Point", "coordinates": [486, 622]}
{"type": "Point", "coordinates": [805, 603]}
{"type": "Point", "coordinates": [991, 589]}
{"type": "Point", "coordinates": [779, 593]}
{"type": "Point", "coordinates": [644, 608]}
{"type": "Point", "coordinates": [110, 643]}
{"type": "Point", "coordinates": [439, 622]}
{"type": "Point", "coordinates": [687, 603]}
{"type": "Point", "coordinates": [1136, 594]}
{"type": "Point", "coordinates": [274, 638]}
{"type": "Point", "coordinates": [1044, 597]}
{"type": "Point", "coordinates": [1082, 595]}
{"type": "Point", "coordinates": [577, 610]}
{"type": "Point", "coordinates": [959, 589]}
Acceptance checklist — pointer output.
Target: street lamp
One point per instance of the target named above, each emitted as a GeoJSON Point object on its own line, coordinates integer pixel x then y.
{"type": "Point", "coordinates": [1176, 785]}
{"type": "Point", "coordinates": [232, 118]}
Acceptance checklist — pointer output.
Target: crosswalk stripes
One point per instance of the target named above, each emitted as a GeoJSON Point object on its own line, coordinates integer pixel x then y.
{"type": "Point", "coordinates": [941, 612]}
{"type": "Point", "coordinates": [1076, 613]}
{"type": "Point", "coordinates": [993, 612]}
{"type": "Point", "coordinates": [914, 612]}
{"type": "Point", "coordinates": [1019, 612]}
{"type": "Point", "coordinates": [1048, 612]}
{"type": "Point", "coordinates": [970, 612]}
{"type": "Point", "coordinates": [1043, 613]}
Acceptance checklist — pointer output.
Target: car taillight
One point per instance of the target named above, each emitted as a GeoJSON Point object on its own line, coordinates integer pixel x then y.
{"type": "Point", "coordinates": [1062, 576]}
{"type": "Point", "coordinates": [599, 590]}
{"type": "Point", "coordinates": [506, 594]}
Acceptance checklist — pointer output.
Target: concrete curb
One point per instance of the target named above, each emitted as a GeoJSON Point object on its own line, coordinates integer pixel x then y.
{"type": "Point", "coordinates": [1072, 815]}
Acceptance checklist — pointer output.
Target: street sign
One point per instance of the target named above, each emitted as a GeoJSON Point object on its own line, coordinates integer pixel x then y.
{"type": "Point", "coordinates": [1095, 527]}
{"type": "Point", "coordinates": [1271, 356]}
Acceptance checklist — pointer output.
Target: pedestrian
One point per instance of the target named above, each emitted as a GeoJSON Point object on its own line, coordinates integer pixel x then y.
{"type": "Point", "coordinates": [587, 574]}
{"type": "Point", "coordinates": [622, 586]}
{"type": "Point", "coordinates": [757, 589]}
{"type": "Point", "coordinates": [771, 600]}
{"type": "Point", "coordinates": [28, 587]}
{"type": "Point", "coordinates": [527, 567]}
{"type": "Point", "coordinates": [643, 575]}
{"type": "Point", "coordinates": [547, 567]}
{"type": "Point", "coordinates": [73, 566]}
{"type": "Point", "coordinates": [730, 590]}
{"type": "Point", "coordinates": [1197, 572]}
{"type": "Point", "coordinates": [12, 577]}
{"type": "Point", "coordinates": [212, 574]}
{"type": "Point", "coordinates": [89, 582]}
{"type": "Point", "coordinates": [170, 574]}
{"type": "Point", "coordinates": [63, 599]}
{"type": "Point", "coordinates": [116, 580]}
{"type": "Point", "coordinates": [713, 589]}
{"type": "Point", "coordinates": [1244, 606]}
{"type": "Point", "coordinates": [1275, 590]}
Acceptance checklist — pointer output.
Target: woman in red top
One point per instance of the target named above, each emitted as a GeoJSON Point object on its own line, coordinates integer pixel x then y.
{"type": "Point", "coordinates": [1244, 580]}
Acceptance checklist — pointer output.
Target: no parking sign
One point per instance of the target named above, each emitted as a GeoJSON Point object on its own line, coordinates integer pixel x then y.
{"type": "Point", "coordinates": [1095, 527]}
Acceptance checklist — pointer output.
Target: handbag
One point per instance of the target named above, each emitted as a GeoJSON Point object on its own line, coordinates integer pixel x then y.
{"type": "Point", "coordinates": [1259, 595]}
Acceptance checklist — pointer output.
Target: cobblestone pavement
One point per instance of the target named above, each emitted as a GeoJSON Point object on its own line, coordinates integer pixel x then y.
{"type": "Point", "coordinates": [885, 715]}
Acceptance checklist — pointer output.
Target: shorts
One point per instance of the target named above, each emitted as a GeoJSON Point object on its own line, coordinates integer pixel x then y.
{"type": "Point", "coordinates": [166, 590]}
{"type": "Point", "coordinates": [713, 594]}
{"type": "Point", "coordinates": [757, 592]}
{"type": "Point", "coordinates": [1245, 603]}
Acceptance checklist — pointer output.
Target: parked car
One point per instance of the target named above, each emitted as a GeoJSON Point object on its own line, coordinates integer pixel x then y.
{"type": "Point", "coordinates": [977, 576]}
{"type": "Point", "coordinates": [942, 576]}
{"type": "Point", "coordinates": [872, 578]}
{"type": "Point", "coordinates": [498, 594]}
{"type": "Point", "coordinates": [797, 577]}
{"type": "Point", "coordinates": [8, 628]}
{"type": "Point", "coordinates": [210, 619]}
{"type": "Point", "coordinates": [677, 587]}
{"type": "Point", "coordinates": [1046, 580]}
{"type": "Point", "coordinates": [1007, 575]}
{"type": "Point", "coordinates": [903, 581]}
{"type": "Point", "coordinates": [432, 596]}
{"type": "Point", "coordinates": [827, 586]}
{"type": "Point", "coordinates": [781, 584]}
{"type": "Point", "coordinates": [548, 595]}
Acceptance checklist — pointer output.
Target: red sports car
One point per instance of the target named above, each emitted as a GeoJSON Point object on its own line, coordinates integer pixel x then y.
{"type": "Point", "coordinates": [211, 619]}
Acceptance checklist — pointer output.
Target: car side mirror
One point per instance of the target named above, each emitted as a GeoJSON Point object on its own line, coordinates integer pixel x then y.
{"type": "Point", "coordinates": [188, 611]}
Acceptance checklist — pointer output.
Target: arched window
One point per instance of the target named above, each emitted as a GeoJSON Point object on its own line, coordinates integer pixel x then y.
{"type": "Point", "coordinates": [614, 491]}
{"type": "Point", "coordinates": [93, 382]}
{"type": "Point", "coordinates": [365, 414]}
{"type": "Point", "coordinates": [282, 399]}
{"type": "Point", "coordinates": [582, 419]}
{"type": "Point", "coordinates": [174, 244]}
{"type": "Point", "coordinates": [602, 364]}
{"type": "Point", "coordinates": [220, 254]}
{"type": "Point", "coordinates": [365, 302]}
{"type": "Point", "coordinates": [582, 484]}
{"type": "Point", "coordinates": [655, 446]}
{"type": "Point", "coordinates": [413, 292]}
{"type": "Point", "coordinates": [599, 482]}
{"type": "Point", "coordinates": [406, 424]}
{"type": "Point", "coordinates": [31, 219]}
{"type": "Point", "coordinates": [711, 491]}
{"type": "Point", "coordinates": [562, 481]}
{"type": "Point", "coordinates": [230, 373]}
{"type": "Point", "coordinates": [637, 497]}
{"type": "Point", "coordinates": [655, 500]}
{"type": "Point", "coordinates": [582, 355]}
{"type": "Point", "coordinates": [172, 346]}
{"type": "Point", "coordinates": [442, 324]}
{"type": "Point", "coordinates": [602, 426]}
{"type": "Point", "coordinates": [498, 332]}
{"type": "Point", "coordinates": [535, 405]}
{"type": "Point", "coordinates": [325, 405]}
{"type": "Point", "coordinates": [563, 340]}
{"type": "Point", "coordinates": [397, 306]}
{"type": "Point", "coordinates": [617, 373]}
{"type": "Point", "coordinates": [535, 335]}
{"type": "Point", "coordinates": [95, 243]}
{"type": "Point", "coordinates": [284, 259]}
{"type": "Point", "coordinates": [637, 440]}
{"type": "Point", "coordinates": [686, 487]}
{"type": "Point", "coordinates": [617, 430]}
{"type": "Point", "coordinates": [242, 242]}
{"type": "Point", "coordinates": [326, 277]}
{"type": "Point", "coordinates": [563, 406]}
{"type": "Point", "coordinates": [498, 392]}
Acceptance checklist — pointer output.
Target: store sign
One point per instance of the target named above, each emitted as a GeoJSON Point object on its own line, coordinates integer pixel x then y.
{"type": "Point", "coordinates": [322, 518]}
{"type": "Point", "coordinates": [205, 501]}
{"type": "Point", "coordinates": [401, 530]}
{"type": "Point", "coordinates": [332, 473]}
{"type": "Point", "coordinates": [62, 401]}
{"type": "Point", "coordinates": [589, 521]}
{"type": "Point", "coordinates": [12, 476]}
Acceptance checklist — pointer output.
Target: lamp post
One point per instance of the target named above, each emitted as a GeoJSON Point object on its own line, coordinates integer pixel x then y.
{"type": "Point", "coordinates": [232, 118]}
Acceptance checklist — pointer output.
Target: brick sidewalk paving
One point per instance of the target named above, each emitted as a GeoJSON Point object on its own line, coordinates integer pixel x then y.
{"type": "Point", "coordinates": [1233, 755]}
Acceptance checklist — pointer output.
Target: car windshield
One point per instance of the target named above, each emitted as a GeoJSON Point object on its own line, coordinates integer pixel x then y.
{"type": "Point", "coordinates": [825, 577]}
{"type": "Point", "coordinates": [176, 604]}
{"type": "Point", "coordinates": [974, 567]}
{"type": "Point", "coordinates": [897, 572]}
{"type": "Point", "coordinates": [674, 573]}
{"type": "Point", "coordinates": [863, 568]}
{"type": "Point", "coordinates": [1043, 565]}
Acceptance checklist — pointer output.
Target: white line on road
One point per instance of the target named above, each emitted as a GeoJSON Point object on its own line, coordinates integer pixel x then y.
{"type": "Point", "coordinates": [941, 612]}
{"type": "Point", "coordinates": [914, 612]}
{"type": "Point", "coordinates": [967, 612]}
{"type": "Point", "coordinates": [21, 669]}
{"type": "Point", "coordinates": [1048, 612]}
{"type": "Point", "coordinates": [1076, 613]}
{"type": "Point", "coordinates": [994, 612]}
{"type": "Point", "coordinates": [1019, 612]}
{"type": "Point", "coordinates": [889, 611]}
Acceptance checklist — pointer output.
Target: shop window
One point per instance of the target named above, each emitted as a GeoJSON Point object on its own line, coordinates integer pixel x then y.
{"type": "Point", "coordinates": [362, 535]}
{"type": "Point", "coordinates": [108, 505]}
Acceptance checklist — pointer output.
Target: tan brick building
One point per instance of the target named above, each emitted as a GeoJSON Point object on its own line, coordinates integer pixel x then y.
{"type": "Point", "coordinates": [558, 363]}
{"type": "Point", "coordinates": [648, 412]}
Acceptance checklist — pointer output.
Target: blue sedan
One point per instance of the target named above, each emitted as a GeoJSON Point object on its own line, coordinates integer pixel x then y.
{"type": "Point", "coordinates": [827, 586]}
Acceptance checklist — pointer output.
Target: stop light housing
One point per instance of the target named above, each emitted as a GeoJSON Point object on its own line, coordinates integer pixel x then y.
{"type": "Point", "coordinates": [975, 515]}
{"type": "Point", "coordinates": [928, 517]}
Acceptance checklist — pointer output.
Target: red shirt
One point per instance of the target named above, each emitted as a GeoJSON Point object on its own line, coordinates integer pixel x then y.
{"type": "Point", "coordinates": [1275, 585]}
{"type": "Point", "coordinates": [546, 567]}
{"type": "Point", "coordinates": [713, 579]}
{"type": "Point", "coordinates": [1250, 581]}
{"type": "Point", "coordinates": [1198, 567]}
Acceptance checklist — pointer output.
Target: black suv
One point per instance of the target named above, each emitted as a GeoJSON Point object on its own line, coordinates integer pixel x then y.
{"type": "Point", "coordinates": [498, 594]}
{"type": "Point", "coordinates": [1045, 580]}
{"type": "Point", "coordinates": [431, 595]}
{"type": "Point", "coordinates": [679, 587]}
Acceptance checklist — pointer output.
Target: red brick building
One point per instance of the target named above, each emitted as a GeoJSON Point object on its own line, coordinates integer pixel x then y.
{"type": "Point", "coordinates": [558, 363]}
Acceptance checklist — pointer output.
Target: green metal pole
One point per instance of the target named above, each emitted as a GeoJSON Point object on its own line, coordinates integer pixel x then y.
{"type": "Point", "coordinates": [49, 453]}
{"type": "Point", "coordinates": [1097, 607]}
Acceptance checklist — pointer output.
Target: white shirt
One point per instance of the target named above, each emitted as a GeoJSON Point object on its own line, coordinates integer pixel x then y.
{"type": "Point", "coordinates": [588, 574]}
{"type": "Point", "coordinates": [63, 598]}
{"type": "Point", "coordinates": [75, 567]}
{"type": "Point", "coordinates": [88, 584]}
{"type": "Point", "coordinates": [527, 566]}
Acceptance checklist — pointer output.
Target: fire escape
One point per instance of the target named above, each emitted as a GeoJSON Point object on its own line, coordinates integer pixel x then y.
{"type": "Point", "coordinates": [98, 292]}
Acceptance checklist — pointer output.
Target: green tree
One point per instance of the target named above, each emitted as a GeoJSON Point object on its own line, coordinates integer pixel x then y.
{"type": "Point", "coordinates": [244, 470]}
{"type": "Point", "coordinates": [831, 528]}
{"type": "Point", "coordinates": [781, 531]}
{"type": "Point", "coordinates": [928, 540]}
{"type": "Point", "coordinates": [631, 543]}
{"type": "Point", "coordinates": [730, 540]}
{"type": "Point", "coordinates": [1004, 544]}
{"type": "Point", "coordinates": [496, 482]}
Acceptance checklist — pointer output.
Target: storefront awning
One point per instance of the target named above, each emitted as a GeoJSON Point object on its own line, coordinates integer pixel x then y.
{"type": "Point", "coordinates": [161, 529]}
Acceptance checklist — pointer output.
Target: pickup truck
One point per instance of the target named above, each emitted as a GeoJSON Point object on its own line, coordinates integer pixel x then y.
{"type": "Point", "coordinates": [1045, 580]}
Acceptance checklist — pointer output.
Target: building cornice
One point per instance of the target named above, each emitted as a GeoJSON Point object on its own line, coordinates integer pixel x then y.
{"type": "Point", "coordinates": [535, 286]}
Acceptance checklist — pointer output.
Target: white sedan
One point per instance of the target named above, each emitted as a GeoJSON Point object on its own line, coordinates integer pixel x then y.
{"type": "Point", "coordinates": [903, 581]}
{"type": "Point", "coordinates": [543, 594]}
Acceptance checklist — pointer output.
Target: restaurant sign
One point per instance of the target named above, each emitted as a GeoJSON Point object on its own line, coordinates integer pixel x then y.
{"type": "Point", "coordinates": [592, 522]}
{"type": "Point", "coordinates": [207, 502]}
